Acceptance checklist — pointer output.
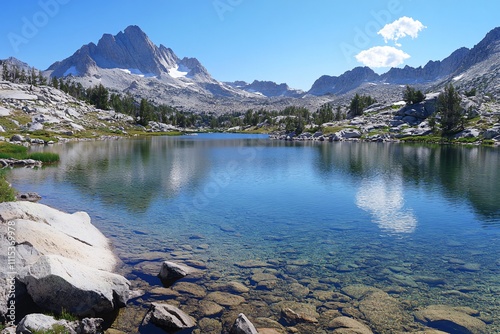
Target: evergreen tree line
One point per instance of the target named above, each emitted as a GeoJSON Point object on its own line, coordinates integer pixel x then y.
{"type": "Point", "coordinates": [100, 97]}
{"type": "Point", "coordinates": [13, 74]}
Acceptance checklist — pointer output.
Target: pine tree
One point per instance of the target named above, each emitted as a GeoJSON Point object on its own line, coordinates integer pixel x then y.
{"type": "Point", "coordinates": [55, 82]}
{"type": "Point", "coordinates": [16, 74]}
{"type": "Point", "coordinates": [145, 112]}
{"type": "Point", "coordinates": [32, 77]}
{"type": "Point", "coordinates": [412, 96]}
{"type": "Point", "coordinates": [325, 114]}
{"type": "Point", "coordinates": [448, 104]}
{"type": "Point", "coordinates": [355, 106]}
{"type": "Point", "coordinates": [22, 76]}
{"type": "Point", "coordinates": [338, 114]}
{"type": "Point", "coordinates": [359, 103]}
{"type": "Point", "coordinates": [5, 72]}
{"type": "Point", "coordinates": [42, 81]}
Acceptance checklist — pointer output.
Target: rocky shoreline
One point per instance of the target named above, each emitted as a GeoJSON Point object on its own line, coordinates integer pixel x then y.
{"type": "Point", "coordinates": [59, 263]}
{"type": "Point", "coordinates": [62, 263]}
{"type": "Point", "coordinates": [399, 123]}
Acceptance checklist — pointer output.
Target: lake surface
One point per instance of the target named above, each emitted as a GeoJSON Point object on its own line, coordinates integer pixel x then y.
{"type": "Point", "coordinates": [294, 222]}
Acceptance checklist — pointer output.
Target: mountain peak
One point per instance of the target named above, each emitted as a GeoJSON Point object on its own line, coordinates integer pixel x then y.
{"type": "Point", "coordinates": [133, 52]}
{"type": "Point", "coordinates": [134, 30]}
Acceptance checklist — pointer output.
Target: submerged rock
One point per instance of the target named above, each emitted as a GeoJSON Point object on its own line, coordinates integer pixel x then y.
{"type": "Point", "coordinates": [225, 299]}
{"type": "Point", "coordinates": [384, 313]}
{"type": "Point", "coordinates": [451, 319]}
{"type": "Point", "coordinates": [191, 289]}
{"type": "Point", "coordinates": [252, 264]}
{"type": "Point", "coordinates": [210, 326]}
{"type": "Point", "coordinates": [357, 291]}
{"type": "Point", "coordinates": [291, 317]}
{"type": "Point", "coordinates": [208, 308]}
{"type": "Point", "coordinates": [348, 325]}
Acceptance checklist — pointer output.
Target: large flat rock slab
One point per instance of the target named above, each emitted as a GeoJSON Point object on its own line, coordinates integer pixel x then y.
{"type": "Point", "coordinates": [16, 95]}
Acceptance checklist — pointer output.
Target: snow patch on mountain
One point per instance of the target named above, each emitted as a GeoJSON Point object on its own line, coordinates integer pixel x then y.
{"type": "Point", "coordinates": [178, 72]}
{"type": "Point", "coordinates": [135, 71]}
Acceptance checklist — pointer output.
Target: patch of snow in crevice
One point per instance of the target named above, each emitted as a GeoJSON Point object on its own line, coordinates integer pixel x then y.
{"type": "Point", "coordinates": [178, 72]}
{"type": "Point", "coordinates": [255, 92]}
{"type": "Point", "coordinates": [135, 71]}
{"type": "Point", "coordinates": [458, 77]}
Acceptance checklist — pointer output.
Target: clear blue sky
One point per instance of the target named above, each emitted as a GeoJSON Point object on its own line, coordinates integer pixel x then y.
{"type": "Point", "coordinates": [279, 40]}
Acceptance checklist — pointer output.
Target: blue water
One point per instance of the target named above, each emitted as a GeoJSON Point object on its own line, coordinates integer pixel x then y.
{"type": "Point", "coordinates": [344, 213]}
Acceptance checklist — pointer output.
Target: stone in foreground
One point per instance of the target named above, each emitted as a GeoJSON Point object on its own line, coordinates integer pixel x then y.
{"type": "Point", "coordinates": [37, 322]}
{"type": "Point", "coordinates": [55, 283]}
{"type": "Point", "coordinates": [171, 272]}
{"type": "Point", "coordinates": [42, 323]}
{"type": "Point", "coordinates": [168, 317]}
{"type": "Point", "coordinates": [243, 326]}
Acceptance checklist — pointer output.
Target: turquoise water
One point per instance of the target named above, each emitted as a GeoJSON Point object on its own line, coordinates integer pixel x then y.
{"type": "Point", "coordinates": [321, 215]}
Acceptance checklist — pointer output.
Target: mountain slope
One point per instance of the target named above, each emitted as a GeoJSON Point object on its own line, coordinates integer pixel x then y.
{"type": "Point", "coordinates": [480, 69]}
{"type": "Point", "coordinates": [267, 88]}
{"type": "Point", "coordinates": [477, 67]}
{"type": "Point", "coordinates": [121, 61]}
{"type": "Point", "coordinates": [130, 63]}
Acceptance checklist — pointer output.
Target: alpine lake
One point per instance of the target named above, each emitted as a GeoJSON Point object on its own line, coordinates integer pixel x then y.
{"type": "Point", "coordinates": [271, 224]}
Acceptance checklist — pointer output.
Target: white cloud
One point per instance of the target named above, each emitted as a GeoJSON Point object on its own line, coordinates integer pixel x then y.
{"type": "Point", "coordinates": [382, 56]}
{"type": "Point", "coordinates": [402, 27]}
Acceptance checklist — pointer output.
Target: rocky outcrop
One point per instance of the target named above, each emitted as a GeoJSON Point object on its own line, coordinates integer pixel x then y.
{"type": "Point", "coordinates": [47, 108]}
{"type": "Point", "coordinates": [29, 196]}
{"type": "Point", "coordinates": [61, 260]}
{"type": "Point", "coordinates": [55, 283]}
{"type": "Point", "coordinates": [46, 231]}
{"type": "Point", "coordinates": [492, 133]}
{"type": "Point", "coordinates": [168, 317]}
{"type": "Point", "coordinates": [11, 162]}
{"type": "Point", "coordinates": [416, 113]}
